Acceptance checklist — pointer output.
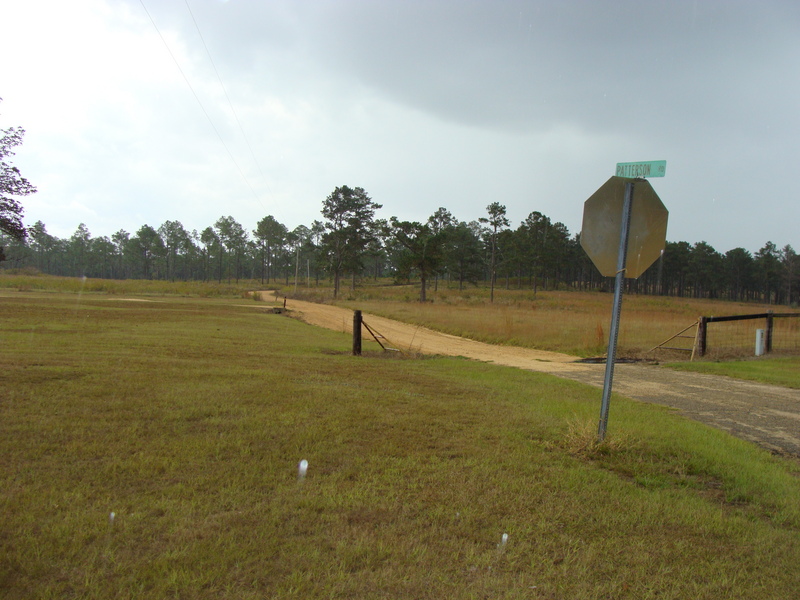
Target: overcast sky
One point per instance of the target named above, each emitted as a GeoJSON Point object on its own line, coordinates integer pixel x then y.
{"type": "Point", "coordinates": [138, 112]}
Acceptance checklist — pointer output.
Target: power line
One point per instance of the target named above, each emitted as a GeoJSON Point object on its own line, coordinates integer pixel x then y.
{"type": "Point", "coordinates": [225, 91]}
{"type": "Point", "coordinates": [205, 112]}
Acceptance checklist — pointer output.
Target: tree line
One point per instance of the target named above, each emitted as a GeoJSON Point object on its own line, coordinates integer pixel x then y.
{"type": "Point", "coordinates": [349, 245]}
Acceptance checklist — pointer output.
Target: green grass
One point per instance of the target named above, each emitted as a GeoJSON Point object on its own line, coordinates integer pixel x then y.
{"type": "Point", "coordinates": [783, 371]}
{"type": "Point", "coordinates": [138, 287]}
{"type": "Point", "coordinates": [187, 417]}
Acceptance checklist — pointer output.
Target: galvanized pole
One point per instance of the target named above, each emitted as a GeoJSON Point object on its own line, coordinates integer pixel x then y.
{"type": "Point", "coordinates": [618, 285]}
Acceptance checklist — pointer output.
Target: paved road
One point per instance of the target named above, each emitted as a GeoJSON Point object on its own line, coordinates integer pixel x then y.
{"type": "Point", "coordinates": [765, 414]}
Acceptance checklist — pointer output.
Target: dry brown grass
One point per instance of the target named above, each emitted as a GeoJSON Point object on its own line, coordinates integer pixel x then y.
{"type": "Point", "coordinates": [581, 439]}
{"type": "Point", "coordinates": [570, 322]}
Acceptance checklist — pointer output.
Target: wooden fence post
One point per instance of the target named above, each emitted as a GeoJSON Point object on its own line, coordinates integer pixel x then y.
{"type": "Point", "coordinates": [702, 331]}
{"type": "Point", "coordinates": [357, 333]}
{"type": "Point", "coordinates": [770, 323]}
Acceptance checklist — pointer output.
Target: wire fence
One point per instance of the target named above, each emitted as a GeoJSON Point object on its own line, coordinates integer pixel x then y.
{"type": "Point", "coordinates": [736, 336]}
{"type": "Point", "coordinates": [747, 335]}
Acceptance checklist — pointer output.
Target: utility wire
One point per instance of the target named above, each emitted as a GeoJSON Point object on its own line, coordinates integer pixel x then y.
{"type": "Point", "coordinates": [225, 91]}
{"type": "Point", "coordinates": [196, 97]}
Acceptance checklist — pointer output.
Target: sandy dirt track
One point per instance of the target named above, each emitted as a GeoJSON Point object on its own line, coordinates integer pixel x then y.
{"type": "Point", "coordinates": [765, 414]}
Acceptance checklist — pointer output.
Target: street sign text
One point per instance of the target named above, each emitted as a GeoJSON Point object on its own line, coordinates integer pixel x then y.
{"type": "Point", "coordinates": [653, 168]}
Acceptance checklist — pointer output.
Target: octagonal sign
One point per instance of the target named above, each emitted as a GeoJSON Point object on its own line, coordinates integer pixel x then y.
{"type": "Point", "coordinates": [602, 223]}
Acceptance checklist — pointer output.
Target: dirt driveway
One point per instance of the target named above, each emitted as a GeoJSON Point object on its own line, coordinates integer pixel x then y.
{"type": "Point", "coordinates": [765, 414]}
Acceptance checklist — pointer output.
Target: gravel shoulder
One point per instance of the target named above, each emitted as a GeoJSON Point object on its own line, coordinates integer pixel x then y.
{"type": "Point", "coordinates": [764, 414]}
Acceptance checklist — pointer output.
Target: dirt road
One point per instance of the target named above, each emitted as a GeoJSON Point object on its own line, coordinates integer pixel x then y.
{"type": "Point", "coordinates": [765, 414]}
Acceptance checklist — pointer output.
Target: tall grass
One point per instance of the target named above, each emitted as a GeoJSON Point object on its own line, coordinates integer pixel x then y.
{"type": "Point", "coordinates": [187, 418]}
{"type": "Point", "coordinates": [571, 322]}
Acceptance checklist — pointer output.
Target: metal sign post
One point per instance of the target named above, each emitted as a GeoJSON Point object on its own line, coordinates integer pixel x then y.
{"type": "Point", "coordinates": [619, 282]}
{"type": "Point", "coordinates": [624, 231]}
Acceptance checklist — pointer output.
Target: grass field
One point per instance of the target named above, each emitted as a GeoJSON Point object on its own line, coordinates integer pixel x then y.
{"type": "Point", "coordinates": [186, 417]}
{"type": "Point", "coordinates": [575, 323]}
{"type": "Point", "coordinates": [572, 322]}
{"type": "Point", "coordinates": [784, 370]}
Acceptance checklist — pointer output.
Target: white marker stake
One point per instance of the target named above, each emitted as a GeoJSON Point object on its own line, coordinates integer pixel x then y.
{"type": "Point", "coordinates": [301, 469]}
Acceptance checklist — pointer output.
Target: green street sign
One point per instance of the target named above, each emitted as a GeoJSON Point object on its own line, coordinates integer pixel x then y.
{"type": "Point", "coordinates": [653, 168]}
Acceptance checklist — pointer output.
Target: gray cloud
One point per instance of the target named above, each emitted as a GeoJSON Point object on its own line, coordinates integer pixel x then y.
{"type": "Point", "coordinates": [424, 104]}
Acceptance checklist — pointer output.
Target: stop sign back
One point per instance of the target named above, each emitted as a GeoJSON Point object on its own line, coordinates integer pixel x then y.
{"type": "Point", "coordinates": [602, 224]}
